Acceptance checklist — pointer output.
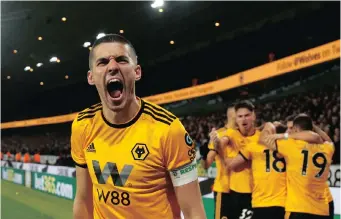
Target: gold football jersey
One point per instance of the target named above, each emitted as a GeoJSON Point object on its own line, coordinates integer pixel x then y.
{"type": "Point", "coordinates": [241, 182]}
{"type": "Point", "coordinates": [307, 175]}
{"type": "Point", "coordinates": [134, 166]}
{"type": "Point", "coordinates": [222, 179]}
{"type": "Point", "coordinates": [268, 174]}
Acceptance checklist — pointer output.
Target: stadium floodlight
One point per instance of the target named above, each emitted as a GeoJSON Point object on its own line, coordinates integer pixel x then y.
{"type": "Point", "coordinates": [53, 59]}
{"type": "Point", "coordinates": [100, 35]}
{"type": "Point", "coordinates": [157, 4]}
{"type": "Point", "coordinates": [27, 68]}
{"type": "Point", "coordinates": [86, 44]}
{"type": "Point", "coordinates": [39, 64]}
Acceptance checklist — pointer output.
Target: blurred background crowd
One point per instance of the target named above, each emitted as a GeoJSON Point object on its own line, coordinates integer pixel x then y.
{"type": "Point", "coordinates": [322, 105]}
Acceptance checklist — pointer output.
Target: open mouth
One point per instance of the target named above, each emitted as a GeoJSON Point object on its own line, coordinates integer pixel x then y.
{"type": "Point", "coordinates": [115, 88]}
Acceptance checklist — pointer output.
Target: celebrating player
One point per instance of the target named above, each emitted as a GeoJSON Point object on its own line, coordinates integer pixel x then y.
{"type": "Point", "coordinates": [308, 194]}
{"type": "Point", "coordinates": [268, 173]}
{"type": "Point", "coordinates": [134, 159]}
{"type": "Point", "coordinates": [221, 186]}
{"type": "Point", "coordinates": [240, 182]}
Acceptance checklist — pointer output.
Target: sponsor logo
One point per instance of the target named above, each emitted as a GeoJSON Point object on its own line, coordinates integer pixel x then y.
{"type": "Point", "coordinates": [11, 175]}
{"type": "Point", "coordinates": [140, 151]}
{"type": "Point", "coordinates": [49, 184]}
{"type": "Point", "coordinates": [91, 148]}
{"type": "Point", "coordinates": [187, 169]}
{"type": "Point", "coordinates": [110, 169]}
{"type": "Point", "coordinates": [114, 197]}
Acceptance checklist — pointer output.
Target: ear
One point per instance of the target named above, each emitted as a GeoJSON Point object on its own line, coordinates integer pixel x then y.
{"type": "Point", "coordinates": [90, 78]}
{"type": "Point", "coordinates": [138, 73]}
{"type": "Point", "coordinates": [253, 116]}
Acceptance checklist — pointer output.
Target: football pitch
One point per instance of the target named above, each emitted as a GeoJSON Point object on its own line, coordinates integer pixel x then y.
{"type": "Point", "coordinates": [21, 202]}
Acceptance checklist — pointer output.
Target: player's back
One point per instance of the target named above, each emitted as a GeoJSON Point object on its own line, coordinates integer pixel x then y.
{"type": "Point", "coordinates": [307, 174]}
{"type": "Point", "coordinates": [129, 163]}
{"type": "Point", "coordinates": [268, 174]}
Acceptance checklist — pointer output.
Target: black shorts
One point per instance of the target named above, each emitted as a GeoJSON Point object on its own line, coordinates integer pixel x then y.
{"type": "Point", "coordinates": [222, 202]}
{"type": "Point", "coordinates": [296, 215]}
{"type": "Point", "coordinates": [268, 212]}
{"type": "Point", "coordinates": [241, 205]}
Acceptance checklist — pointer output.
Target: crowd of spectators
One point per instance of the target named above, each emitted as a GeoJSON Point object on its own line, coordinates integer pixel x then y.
{"type": "Point", "coordinates": [322, 105]}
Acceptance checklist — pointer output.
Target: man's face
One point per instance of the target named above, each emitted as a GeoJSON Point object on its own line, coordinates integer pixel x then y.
{"type": "Point", "coordinates": [290, 125]}
{"type": "Point", "coordinates": [114, 72]}
{"type": "Point", "coordinates": [245, 119]}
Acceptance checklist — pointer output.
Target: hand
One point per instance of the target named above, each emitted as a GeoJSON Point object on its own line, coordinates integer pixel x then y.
{"type": "Point", "coordinates": [271, 139]}
{"type": "Point", "coordinates": [276, 123]}
{"type": "Point", "coordinates": [214, 138]}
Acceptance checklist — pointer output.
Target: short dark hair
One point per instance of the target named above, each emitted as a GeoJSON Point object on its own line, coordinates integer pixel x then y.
{"type": "Point", "coordinates": [304, 122]}
{"type": "Point", "coordinates": [290, 118]}
{"type": "Point", "coordinates": [281, 129]}
{"type": "Point", "coordinates": [110, 38]}
{"type": "Point", "coordinates": [244, 104]}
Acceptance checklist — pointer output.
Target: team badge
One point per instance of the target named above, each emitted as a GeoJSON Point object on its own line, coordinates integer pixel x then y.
{"type": "Point", "coordinates": [140, 151]}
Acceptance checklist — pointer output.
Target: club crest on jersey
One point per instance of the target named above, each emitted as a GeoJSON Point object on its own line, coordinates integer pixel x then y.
{"type": "Point", "coordinates": [188, 140]}
{"type": "Point", "coordinates": [140, 151]}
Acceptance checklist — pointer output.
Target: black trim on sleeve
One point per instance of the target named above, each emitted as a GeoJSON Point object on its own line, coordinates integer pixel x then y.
{"type": "Point", "coordinates": [81, 165]}
{"type": "Point", "coordinates": [243, 156]}
{"type": "Point", "coordinates": [276, 144]}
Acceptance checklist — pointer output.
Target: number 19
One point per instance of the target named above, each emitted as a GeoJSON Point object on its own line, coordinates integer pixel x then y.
{"type": "Point", "coordinates": [316, 156]}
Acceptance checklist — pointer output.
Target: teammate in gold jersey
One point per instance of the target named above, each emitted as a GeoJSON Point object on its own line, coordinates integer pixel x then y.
{"type": "Point", "coordinates": [308, 193]}
{"type": "Point", "coordinates": [134, 159]}
{"type": "Point", "coordinates": [268, 173]}
{"type": "Point", "coordinates": [241, 181]}
{"type": "Point", "coordinates": [221, 185]}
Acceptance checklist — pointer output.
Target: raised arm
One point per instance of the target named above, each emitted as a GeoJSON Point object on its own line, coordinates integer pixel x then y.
{"type": "Point", "coordinates": [323, 135]}
{"type": "Point", "coordinates": [308, 136]}
{"type": "Point", "coordinates": [268, 136]}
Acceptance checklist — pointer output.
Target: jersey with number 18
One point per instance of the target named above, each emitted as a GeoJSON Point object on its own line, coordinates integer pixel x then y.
{"type": "Point", "coordinates": [134, 166]}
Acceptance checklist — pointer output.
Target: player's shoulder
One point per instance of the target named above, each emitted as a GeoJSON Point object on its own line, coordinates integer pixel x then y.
{"type": "Point", "coordinates": [257, 133]}
{"type": "Point", "coordinates": [86, 116]}
{"type": "Point", "coordinates": [157, 113]}
{"type": "Point", "coordinates": [329, 146]}
{"type": "Point", "coordinates": [222, 130]}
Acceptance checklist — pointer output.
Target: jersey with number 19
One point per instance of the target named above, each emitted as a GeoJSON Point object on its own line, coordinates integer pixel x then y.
{"type": "Point", "coordinates": [134, 166]}
{"type": "Point", "coordinates": [307, 175]}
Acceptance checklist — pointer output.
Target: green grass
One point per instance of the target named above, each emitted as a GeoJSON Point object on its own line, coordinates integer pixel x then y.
{"type": "Point", "coordinates": [20, 202]}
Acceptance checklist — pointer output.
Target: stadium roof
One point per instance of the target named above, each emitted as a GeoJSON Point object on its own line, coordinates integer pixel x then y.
{"type": "Point", "coordinates": [191, 25]}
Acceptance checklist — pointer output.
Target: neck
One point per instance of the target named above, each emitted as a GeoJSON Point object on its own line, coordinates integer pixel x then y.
{"type": "Point", "coordinates": [230, 125]}
{"type": "Point", "coordinates": [124, 115]}
{"type": "Point", "coordinates": [249, 132]}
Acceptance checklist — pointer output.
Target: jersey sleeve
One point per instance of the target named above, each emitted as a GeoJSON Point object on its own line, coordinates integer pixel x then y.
{"type": "Point", "coordinates": [245, 152]}
{"type": "Point", "coordinates": [77, 144]}
{"type": "Point", "coordinates": [211, 146]}
{"type": "Point", "coordinates": [179, 155]}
